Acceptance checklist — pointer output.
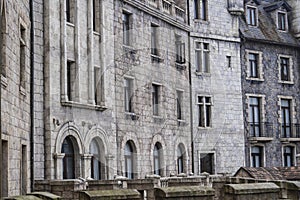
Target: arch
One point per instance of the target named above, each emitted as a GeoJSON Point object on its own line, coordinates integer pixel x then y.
{"type": "Point", "coordinates": [69, 149]}
{"type": "Point", "coordinates": [68, 129]}
{"type": "Point", "coordinates": [157, 158]}
{"type": "Point", "coordinates": [96, 149]}
{"type": "Point", "coordinates": [158, 139]}
{"type": "Point", "coordinates": [100, 134]}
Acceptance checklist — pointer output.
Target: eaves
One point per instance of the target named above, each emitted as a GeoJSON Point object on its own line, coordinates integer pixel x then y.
{"type": "Point", "coordinates": [272, 42]}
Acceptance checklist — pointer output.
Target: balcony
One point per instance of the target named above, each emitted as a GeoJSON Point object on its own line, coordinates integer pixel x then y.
{"type": "Point", "coordinates": [289, 132]}
{"type": "Point", "coordinates": [260, 131]}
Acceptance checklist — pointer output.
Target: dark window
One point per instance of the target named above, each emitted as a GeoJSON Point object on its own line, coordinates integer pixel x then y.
{"type": "Point", "coordinates": [157, 159]}
{"type": "Point", "coordinates": [251, 16]}
{"type": "Point", "coordinates": [129, 162]}
{"type": "Point", "coordinates": [254, 117]}
{"type": "Point", "coordinates": [126, 29]}
{"type": "Point", "coordinates": [70, 11]}
{"type": "Point", "coordinates": [282, 21]}
{"type": "Point", "coordinates": [128, 94]}
{"type": "Point", "coordinates": [154, 40]}
{"type": "Point", "coordinates": [180, 162]}
{"type": "Point", "coordinates": [155, 99]}
{"type": "Point", "coordinates": [204, 10]}
{"type": "Point", "coordinates": [204, 104]}
{"type": "Point", "coordinates": [5, 161]}
{"type": "Point", "coordinates": [288, 156]}
{"type": "Point", "coordinates": [228, 60]}
{"type": "Point", "coordinates": [96, 15]}
{"type": "Point", "coordinates": [22, 56]}
{"type": "Point", "coordinates": [69, 159]}
{"type": "Point", "coordinates": [286, 118]}
{"type": "Point", "coordinates": [180, 50]}
{"type": "Point", "coordinates": [207, 163]}
{"type": "Point", "coordinates": [97, 85]}
{"type": "Point", "coordinates": [95, 161]}
{"type": "Point", "coordinates": [257, 156]}
{"type": "Point", "coordinates": [179, 105]}
{"type": "Point", "coordinates": [24, 170]}
{"type": "Point", "coordinates": [253, 62]}
{"type": "Point", "coordinates": [285, 69]}
{"type": "Point", "coordinates": [201, 9]}
{"type": "Point", "coordinates": [196, 7]}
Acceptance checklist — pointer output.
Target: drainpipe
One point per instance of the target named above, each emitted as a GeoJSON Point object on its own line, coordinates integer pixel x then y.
{"type": "Point", "coordinates": [1, 46]}
{"type": "Point", "coordinates": [31, 96]}
{"type": "Point", "coordinates": [190, 82]}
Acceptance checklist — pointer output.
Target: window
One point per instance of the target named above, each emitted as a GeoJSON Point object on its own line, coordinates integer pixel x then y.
{"type": "Point", "coordinates": [129, 160]}
{"type": "Point", "coordinates": [228, 61]}
{"type": "Point", "coordinates": [3, 43]}
{"type": "Point", "coordinates": [5, 160]}
{"type": "Point", "coordinates": [254, 116]}
{"type": "Point", "coordinates": [95, 161]}
{"type": "Point", "coordinates": [201, 9]}
{"type": "Point", "coordinates": [285, 69]}
{"type": "Point", "coordinates": [179, 104]}
{"type": "Point", "coordinates": [202, 57]}
{"type": "Point", "coordinates": [22, 56]}
{"type": "Point", "coordinates": [180, 50]}
{"type": "Point", "coordinates": [257, 156]}
{"type": "Point", "coordinates": [128, 94]}
{"type": "Point", "coordinates": [71, 79]}
{"type": "Point", "coordinates": [155, 99]}
{"type": "Point", "coordinates": [286, 118]}
{"type": "Point", "coordinates": [24, 170]}
{"type": "Point", "coordinates": [207, 163]}
{"type": "Point", "coordinates": [154, 40]}
{"type": "Point", "coordinates": [288, 156]}
{"type": "Point", "coordinates": [157, 159]}
{"type": "Point", "coordinates": [253, 62]}
{"type": "Point", "coordinates": [251, 16]}
{"type": "Point", "coordinates": [69, 159]}
{"type": "Point", "coordinates": [96, 15]}
{"type": "Point", "coordinates": [282, 24]}
{"type": "Point", "coordinates": [180, 154]}
{"type": "Point", "coordinates": [70, 11]}
{"type": "Point", "coordinates": [97, 85]}
{"type": "Point", "coordinates": [204, 104]}
{"type": "Point", "coordinates": [126, 29]}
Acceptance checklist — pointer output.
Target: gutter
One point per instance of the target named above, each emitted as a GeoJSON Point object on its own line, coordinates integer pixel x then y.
{"type": "Point", "coordinates": [31, 96]}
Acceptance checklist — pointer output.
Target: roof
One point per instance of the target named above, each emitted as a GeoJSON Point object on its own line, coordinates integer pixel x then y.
{"type": "Point", "coordinates": [277, 5]}
{"type": "Point", "coordinates": [270, 173]}
{"type": "Point", "coordinates": [267, 31]}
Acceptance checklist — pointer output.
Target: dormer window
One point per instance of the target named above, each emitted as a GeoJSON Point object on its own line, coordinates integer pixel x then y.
{"type": "Point", "coordinates": [251, 16]}
{"type": "Point", "coordinates": [282, 21]}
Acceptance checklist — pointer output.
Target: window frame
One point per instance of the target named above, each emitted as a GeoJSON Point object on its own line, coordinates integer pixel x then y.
{"type": "Point", "coordinates": [255, 111]}
{"type": "Point", "coordinates": [157, 159]}
{"type": "Point", "coordinates": [282, 25]}
{"type": "Point", "coordinates": [249, 16]}
{"type": "Point", "coordinates": [70, 11]}
{"type": "Point", "coordinates": [154, 40]}
{"type": "Point", "coordinates": [179, 49]}
{"type": "Point", "coordinates": [261, 155]}
{"type": "Point", "coordinates": [286, 127]}
{"type": "Point", "coordinates": [156, 99]}
{"type": "Point", "coordinates": [259, 65]}
{"type": "Point", "coordinates": [201, 10]}
{"type": "Point", "coordinates": [202, 55]}
{"type": "Point", "coordinates": [126, 26]}
{"type": "Point", "coordinates": [97, 15]}
{"type": "Point", "coordinates": [129, 160]}
{"type": "Point", "coordinates": [290, 69]}
{"type": "Point", "coordinates": [179, 105]}
{"type": "Point", "coordinates": [204, 111]}
{"type": "Point", "coordinates": [285, 155]}
{"type": "Point", "coordinates": [128, 90]}
{"type": "Point", "coordinates": [213, 161]}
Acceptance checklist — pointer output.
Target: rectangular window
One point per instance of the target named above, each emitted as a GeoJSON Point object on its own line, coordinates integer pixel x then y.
{"type": "Point", "coordinates": [71, 78]}
{"type": "Point", "coordinates": [4, 178]}
{"type": "Point", "coordinates": [285, 69]}
{"type": "Point", "coordinates": [197, 8]}
{"type": "Point", "coordinates": [228, 61]}
{"type": "Point", "coordinates": [155, 99]}
{"type": "Point", "coordinates": [179, 105]}
{"type": "Point", "coordinates": [204, 104]}
{"type": "Point", "coordinates": [128, 94]}
{"type": "Point", "coordinates": [70, 11]}
{"type": "Point", "coordinates": [23, 169]}
{"type": "Point", "coordinates": [288, 156]}
{"type": "Point", "coordinates": [281, 21]}
{"type": "Point", "coordinates": [154, 40]}
{"type": "Point", "coordinates": [253, 63]}
{"type": "Point", "coordinates": [257, 156]}
{"type": "Point", "coordinates": [254, 117]}
{"type": "Point", "coordinates": [201, 9]}
{"type": "Point", "coordinates": [97, 85]}
{"type": "Point", "coordinates": [251, 16]}
{"type": "Point", "coordinates": [126, 29]}
{"type": "Point", "coordinates": [22, 56]}
{"type": "Point", "coordinates": [180, 50]}
{"type": "Point", "coordinates": [207, 163]}
{"type": "Point", "coordinates": [204, 9]}
{"type": "Point", "coordinates": [202, 57]}
{"type": "Point", "coordinates": [286, 118]}
{"type": "Point", "coordinates": [96, 15]}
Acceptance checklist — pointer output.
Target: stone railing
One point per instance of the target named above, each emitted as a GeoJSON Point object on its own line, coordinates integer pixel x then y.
{"type": "Point", "coordinates": [168, 7]}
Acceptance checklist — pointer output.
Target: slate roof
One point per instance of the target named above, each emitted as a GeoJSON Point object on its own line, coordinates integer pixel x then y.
{"type": "Point", "coordinates": [266, 31]}
{"type": "Point", "coordinates": [271, 173]}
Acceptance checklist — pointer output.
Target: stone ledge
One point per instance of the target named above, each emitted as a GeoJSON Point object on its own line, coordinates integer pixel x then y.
{"type": "Point", "coordinates": [252, 188]}
{"type": "Point", "coordinates": [184, 191]}
{"type": "Point", "coordinates": [110, 194]}
{"type": "Point", "coordinates": [25, 197]}
{"type": "Point", "coordinates": [46, 195]}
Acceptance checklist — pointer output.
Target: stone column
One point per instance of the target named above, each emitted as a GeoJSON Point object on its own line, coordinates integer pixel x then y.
{"type": "Point", "coordinates": [110, 168]}
{"type": "Point", "coordinates": [86, 165]}
{"type": "Point", "coordinates": [58, 160]}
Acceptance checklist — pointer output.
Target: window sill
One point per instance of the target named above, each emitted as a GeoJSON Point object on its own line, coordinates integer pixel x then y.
{"type": "Point", "coordinates": [180, 66]}
{"type": "Point", "coordinates": [255, 79]}
{"type": "Point", "coordinates": [201, 127]}
{"type": "Point", "coordinates": [156, 58]}
{"type": "Point", "coordinates": [260, 139]}
{"type": "Point", "coordinates": [22, 91]}
{"type": "Point", "coordinates": [129, 49]}
{"type": "Point", "coordinates": [158, 119]}
{"type": "Point", "coordinates": [85, 106]}
{"type": "Point", "coordinates": [181, 122]}
{"type": "Point", "coordinates": [131, 115]}
{"type": "Point", "coordinates": [70, 24]}
{"type": "Point", "coordinates": [286, 82]}
{"type": "Point", "coordinates": [201, 21]}
{"type": "Point", "coordinates": [3, 81]}
{"type": "Point", "coordinates": [202, 74]}
{"type": "Point", "coordinates": [96, 33]}
{"type": "Point", "coordinates": [287, 140]}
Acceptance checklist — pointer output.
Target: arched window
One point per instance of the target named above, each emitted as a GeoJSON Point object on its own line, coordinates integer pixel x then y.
{"type": "Point", "coordinates": [69, 159]}
{"type": "Point", "coordinates": [129, 160]}
{"type": "Point", "coordinates": [157, 159]}
{"type": "Point", "coordinates": [95, 161]}
{"type": "Point", "coordinates": [179, 160]}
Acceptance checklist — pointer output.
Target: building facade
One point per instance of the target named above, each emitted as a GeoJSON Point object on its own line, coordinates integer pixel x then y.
{"type": "Point", "coordinates": [270, 77]}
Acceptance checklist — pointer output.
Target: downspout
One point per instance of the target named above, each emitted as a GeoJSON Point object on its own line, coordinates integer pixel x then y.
{"type": "Point", "coordinates": [190, 83]}
{"type": "Point", "coordinates": [1, 54]}
{"type": "Point", "coordinates": [31, 96]}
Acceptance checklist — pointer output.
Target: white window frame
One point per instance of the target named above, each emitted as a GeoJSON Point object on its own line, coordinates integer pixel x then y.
{"type": "Point", "coordinates": [260, 71]}
{"type": "Point", "coordinates": [205, 105]}
{"type": "Point", "coordinates": [201, 52]}
{"type": "Point", "coordinates": [291, 68]}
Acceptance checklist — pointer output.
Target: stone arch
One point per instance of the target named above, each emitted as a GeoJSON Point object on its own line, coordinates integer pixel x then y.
{"type": "Point", "coordinates": [183, 147]}
{"type": "Point", "coordinates": [99, 134]}
{"type": "Point", "coordinates": [158, 139]}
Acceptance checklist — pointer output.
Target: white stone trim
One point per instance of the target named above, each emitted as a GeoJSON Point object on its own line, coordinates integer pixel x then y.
{"type": "Point", "coordinates": [293, 108]}
{"type": "Point", "coordinates": [259, 63]}
{"type": "Point", "coordinates": [291, 68]}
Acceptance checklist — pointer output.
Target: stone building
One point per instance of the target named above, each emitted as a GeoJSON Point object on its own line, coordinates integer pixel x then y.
{"type": "Point", "coordinates": [15, 97]}
{"type": "Point", "coordinates": [216, 100]}
{"type": "Point", "coordinates": [270, 80]}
